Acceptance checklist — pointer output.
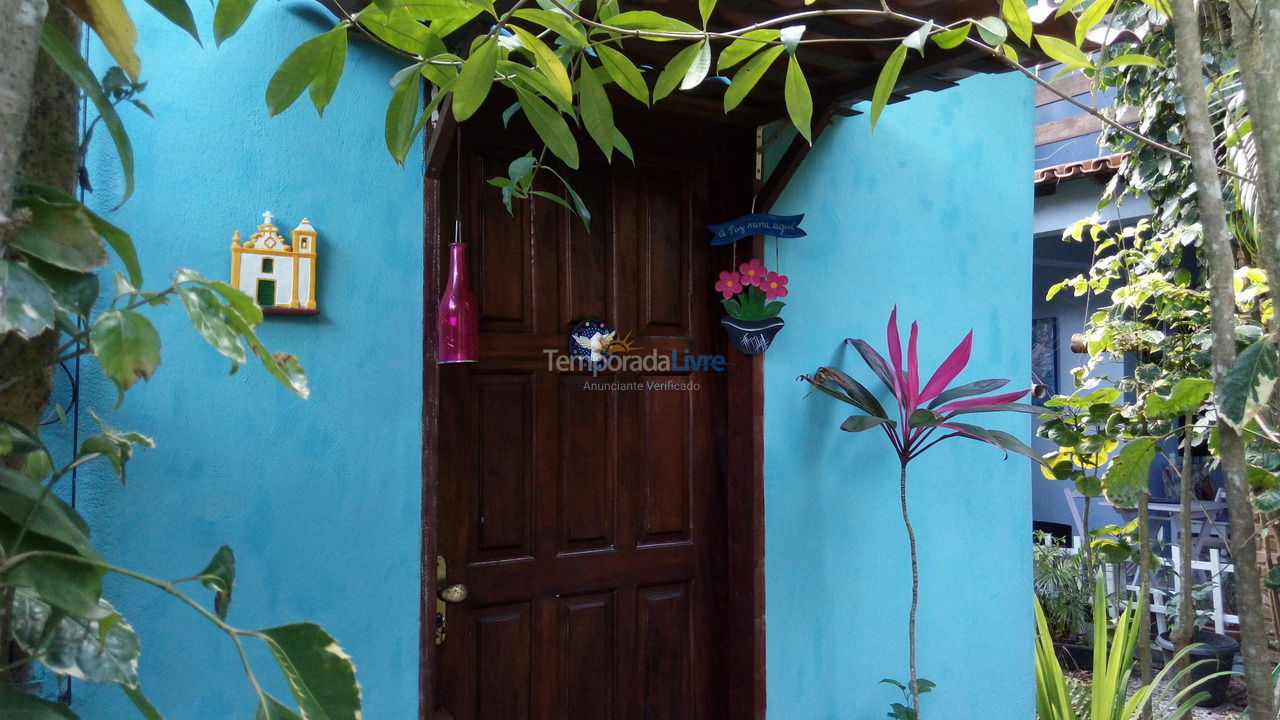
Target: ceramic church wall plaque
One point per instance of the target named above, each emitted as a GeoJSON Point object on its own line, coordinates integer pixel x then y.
{"type": "Point", "coordinates": [279, 273]}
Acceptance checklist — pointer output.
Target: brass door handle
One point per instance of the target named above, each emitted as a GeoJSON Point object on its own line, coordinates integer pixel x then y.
{"type": "Point", "coordinates": [455, 593]}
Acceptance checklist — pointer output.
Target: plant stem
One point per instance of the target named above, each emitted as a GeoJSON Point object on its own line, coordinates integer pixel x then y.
{"type": "Point", "coordinates": [1186, 599]}
{"type": "Point", "coordinates": [1144, 595]}
{"type": "Point", "coordinates": [915, 591]}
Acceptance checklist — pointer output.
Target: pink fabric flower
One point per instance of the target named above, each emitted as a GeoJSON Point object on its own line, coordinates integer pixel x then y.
{"type": "Point", "coordinates": [753, 272]}
{"type": "Point", "coordinates": [774, 286]}
{"type": "Point", "coordinates": [729, 284]}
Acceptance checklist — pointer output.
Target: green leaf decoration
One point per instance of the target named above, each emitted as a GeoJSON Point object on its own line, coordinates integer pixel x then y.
{"type": "Point", "coordinates": [1247, 386]}
{"type": "Point", "coordinates": [1019, 20]}
{"type": "Point", "coordinates": [127, 346]}
{"type": "Point", "coordinates": [650, 21]}
{"type": "Point", "coordinates": [705, 8]}
{"type": "Point", "coordinates": [270, 708]}
{"type": "Point", "coordinates": [220, 576]}
{"type": "Point", "coordinates": [745, 80]}
{"type": "Point", "coordinates": [229, 16]}
{"type": "Point", "coordinates": [320, 675]}
{"type": "Point", "coordinates": [675, 71]}
{"type": "Point", "coordinates": [699, 68]}
{"type": "Point", "coordinates": [204, 308]}
{"type": "Point", "coordinates": [1125, 481]}
{"type": "Point", "coordinates": [56, 45]}
{"type": "Point", "coordinates": [401, 112]}
{"type": "Point", "coordinates": [26, 305]}
{"type": "Point", "coordinates": [886, 82]}
{"type": "Point", "coordinates": [17, 705]}
{"type": "Point", "coordinates": [332, 60]}
{"type": "Point", "coordinates": [1130, 59]}
{"type": "Point", "coordinates": [140, 701]}
{"type": "Point", "coordinates": [1064, 52]}
{"type": "Point", "coordinates": [952, 38]}
{"type": "Point", "coordinates": [178, 13]}
{"type": "Point", "coordinates": [790, 37]}
{"type": "Point", "coordinates": [1186, 398]}
{"type": "Point", "coordinates": [624, 72]}
{"type": "Point", "coordinates": [992, 30]}
{"type": "Point", "coordinates": [550, 126]}
{"type": "Point", "coordinates": [74, 646]}
{"type": "Point", "coordinates": [115, 446]}
{"type": "Point", "coordinates": [549, 64]}
{"type": "Point", "coordinates": [1090, 18]}
{"type": "Point", "coordinates": [597, 113]}
{"type": "Point", "coordinates": [400, 29]}
{"type": "Point", "coordinates": [772, 309]}
{"type": "Point", "coordinates": [799, 100]}
{"type": "Point", "coordinates": [475, 80]}
{"type": "Point", "coordinates": [860, 423]}
{"type": "Point", "coordinates": [556, 23]}
{"type": "Point", "coordinates": [744, 47]}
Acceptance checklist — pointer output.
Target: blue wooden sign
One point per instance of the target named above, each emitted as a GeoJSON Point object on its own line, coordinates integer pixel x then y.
{"type": "Point", "coordinates": [782, 226]}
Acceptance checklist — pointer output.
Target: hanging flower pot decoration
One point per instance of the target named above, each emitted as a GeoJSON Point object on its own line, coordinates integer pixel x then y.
{"type": "Point", "coordinates": [750, 297]}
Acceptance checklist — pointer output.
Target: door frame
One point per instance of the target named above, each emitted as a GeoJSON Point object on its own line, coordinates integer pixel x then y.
{"type": "Point", "coordinates": [742, 445]}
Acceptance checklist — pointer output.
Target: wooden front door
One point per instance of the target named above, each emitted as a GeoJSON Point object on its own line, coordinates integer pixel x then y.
{"type": "Point", "coordinates": [587, 515]}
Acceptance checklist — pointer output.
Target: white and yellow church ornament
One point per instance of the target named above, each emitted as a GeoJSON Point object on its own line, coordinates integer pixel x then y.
{"type": "Point", "coordinates": [279, 274]}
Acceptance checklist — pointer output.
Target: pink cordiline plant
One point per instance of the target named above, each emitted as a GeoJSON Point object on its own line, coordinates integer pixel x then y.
{"type": "Point", "coordinates": [921, 414]}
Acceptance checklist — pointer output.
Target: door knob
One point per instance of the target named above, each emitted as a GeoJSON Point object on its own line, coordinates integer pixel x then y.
{"type": "Point", "coordinates": [455, 593]}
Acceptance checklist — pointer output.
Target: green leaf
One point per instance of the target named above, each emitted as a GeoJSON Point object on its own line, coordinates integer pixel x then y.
{"type": "Point", "coordinates": [550, 126]}
{"type": "Point", "coordinates": [949, 39]}
{"type": "Point", "coordinates": [860, 423]}
{"type": "Point", "coordinates": [74, 293]}
{"type": "Point", "coordinates": [475, 80]}
{"type": "Point", "coordinates": [20, 499]}
{"type": "Point", "coordinates": [127, 346]}
{"type": "Point", "coordinates": [745, 80]}
{"type": "Point", "coordinates": [1131, 59]}
{"type": "Point", "coordinates": [556, 23]}
{"type": "Point", "coordinates": [178, 13]}
{"type": "Point", "coordinates": [282, 366]}
{"type": "Point", "coordinates": [294, 74]}
{"type": "Point", "coordinates": [992, 30]}
{"type": "Point", "coordinates": [74, 646]}
{"type": "Point", "coordinates": [856, 393]}
{"type": "Point", "coordinates": [229, 16]}
{"type": "Point", "coordinates": [114, 445]}
{"type": "Point", "coordinates": [270, 708]}
{"type": "Point", "coordinates": [332, 60]}
{"type": "Point", "coordinates": [650, 21]}
{"type": "Point", "coordinates": [1247, 386]}
{"type": "Point", "coordinates": [535, 82]}
{"type": "Point", "coordinates": [705, 7]}
{"type": "Point", "coordinates": [401, 112]}
{"type": "Point", "coordinates": [110, 20]}
{"type": "Point", "coordinates": [140, 701]}
{"type": "Point", "coordinates": [400, 29]}
{"type": "Point", "coordinates": [624, 72]}
{"type": "Point", "coordinates": [118, 239]}
{"type": "Point", "coordinates": [697, 71]}
{"type": "Point", "coordinates": [220, 576]}
{"type": "Point", "coordinates": [320, 675]}
{"type": "Point", "coordinates": [923, 417]}
{"type": "Point", "coordinates": [17, 705]}
{"type": "Point", "coordinates": [205, 311]}
{"type": "Point", "coordinates": [1019, 20]}
{"type": "Point", "coordinates": [744, 47]}
{"type": "Point", "coordinates": [56, 45]}
{"type": "Point", "coordinates": [1267, 501]}
{"type": "Point", "coordinates": [597, 113]}
{"type": "Point", "coordinates": [675, 71]}
{"type": "Point", "coordinates": [548, 63]}
{"type": "Point", "coordinates": [1185, 398]}
{"type": "Point", "coordinates": [1090, 18]}
{"type": "Point", "coordinates": [72, 586]}
{"type": "Point", "coordinates": [1272, 579]}
{"type": "Point", "coordinates": [26, 305]}
{"type": "Point", "coordinates": [1125, 480]}
{"type": "Point", "coordinates": [999, 438]}
{"type": "Point", "coordinates": [1064, 52]}
{"type": "Point", "coordinates": [887, 81]}
{"type": "Point", "coordinates": [799, 101]}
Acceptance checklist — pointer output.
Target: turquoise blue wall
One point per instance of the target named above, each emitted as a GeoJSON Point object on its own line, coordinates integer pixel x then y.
{"type": "Point", "coordinates": [932, 212]}
{"type": "Point", "coordinates": [320, 498]}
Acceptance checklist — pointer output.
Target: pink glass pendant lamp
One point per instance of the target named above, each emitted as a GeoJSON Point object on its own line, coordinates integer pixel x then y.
{"type": "Point", "coordinates": [459, 325]}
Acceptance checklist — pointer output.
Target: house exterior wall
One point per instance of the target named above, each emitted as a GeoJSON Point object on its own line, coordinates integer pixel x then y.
{"type": "Point", "coordinates": [931, 212]}
{"type": "Point", "coordinates": [320, 499]}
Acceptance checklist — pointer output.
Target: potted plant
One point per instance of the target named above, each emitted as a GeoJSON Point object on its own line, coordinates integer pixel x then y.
{"type": "Point", "coordinates": [1210, 652]}
{"type": "Point", "coordinates": [1062, 589]}
{"type": "Point", "coordinates": [750, 297]}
